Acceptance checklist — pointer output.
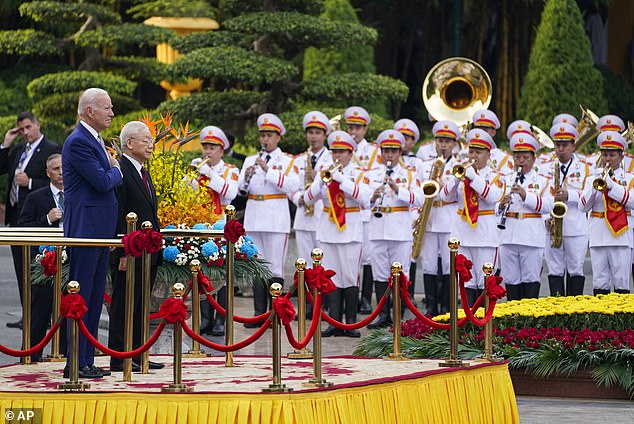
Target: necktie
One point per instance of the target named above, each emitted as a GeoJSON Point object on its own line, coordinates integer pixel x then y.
{"type": "Point", "coordinates": [60, 203]}
{"type": "Point", "coordinates": [313, 161]}
{"type": "Point", "coordinates": [267, 158]}
{"type": "Point", "coordinates": [15, 189]}
{"type": "Point", "coordinates": [146, 182]}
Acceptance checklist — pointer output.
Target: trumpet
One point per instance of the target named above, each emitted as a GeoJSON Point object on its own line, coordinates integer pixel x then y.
{"type": "Point", "coordinates": [460, 169]}
{"type": "Point", "coordinates": [502, 224]}
{"type": "Point", "coordinates": [247, 180]}
{"type": "Point", "coordinates": [388, 172]}
{"type": "Point", "coordinates": [599, 184]}
{"type": "Point", "coordinates": [326, 174]}
{"type": "Point", "coordinates": [195, 169]}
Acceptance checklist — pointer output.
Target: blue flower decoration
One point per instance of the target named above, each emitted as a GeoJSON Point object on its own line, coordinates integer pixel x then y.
{"type": "Point", "coordinates": [47, 248]}
{"type": "Point", "coordinates": [223, 250]}
{"type": "Point", "coordinates": [219, 225]}
{"type": "Point", "coordinates": [170, 253]}
{"type": "Point", "coordinates": [248, 239]}
{"type": "Point", "coordinates": [170, 227]}
{"type": "Point", "coordinates": [249, 249]}
{"type": "Point", "coordinates": [209, 249]}
{"type": "Point", "coordinates": [199, 227]}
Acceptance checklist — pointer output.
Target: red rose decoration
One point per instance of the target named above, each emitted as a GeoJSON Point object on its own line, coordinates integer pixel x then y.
{"type": "Point", "coordinates": [173, 310]}
{"type": "Point", "coordinates": [494, 290]}
{"type": "Point", "coordinates": [320, 278]}
{"type": "Point", "coordinates": [73, 306]}
{"type": "Point", "coordinates": [463, 268]}
{"type": "Point", "coordinates": [49, 263]}
{"type": "Point", "coordinates": [233, 230]}
{"type": "Point", "coordinates": [284, 309]}
{"type": "Point", "coordinates": [153, 241]}
{"type": "Point", "coordinates": [133, 244]}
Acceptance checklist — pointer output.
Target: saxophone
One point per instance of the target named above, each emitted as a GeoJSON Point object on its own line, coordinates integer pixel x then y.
{"type": "Point", "coordinates": [559, 211]}
{"type": "Point", "coordinates": [309, 209]}
{"type": "Point", "coordinates": [431, 188]}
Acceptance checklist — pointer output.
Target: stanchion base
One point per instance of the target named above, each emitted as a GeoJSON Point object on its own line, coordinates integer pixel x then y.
{"type": "Point", "coordinates": [23, 362]}
{"type": "Point", "coordinates": [177, 388]}
{"type": "Point", "coordinates": [72, 387]}
{"type": "Point", "coordinates": [195, 354]}
{"type": "Point", "coordinates": [277, 388]}
{"type": "Point", "coordinates": [318, 382]}
{"type": "Point", "coordinates": [229, 359]}
{"type": "Point", "coordinates": [300, 354]}
{"type": "Point", "coordinates": [396, 357]}
{"type": "Point", "coordinates": [56, 358]}
{"type": "Point", "coordinates": [488, 360]}
{"type": "Point", "coordinates": [453, 363]}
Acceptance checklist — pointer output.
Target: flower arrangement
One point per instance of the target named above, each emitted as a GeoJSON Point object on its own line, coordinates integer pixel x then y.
{"type": "Point", "coordinates": [542, 336]}
{"type": "Point", "coordinates": [45, 265]}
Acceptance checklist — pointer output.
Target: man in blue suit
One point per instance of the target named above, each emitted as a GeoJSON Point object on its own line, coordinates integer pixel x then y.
{"type": "Point", "coordinates": [90, 178]}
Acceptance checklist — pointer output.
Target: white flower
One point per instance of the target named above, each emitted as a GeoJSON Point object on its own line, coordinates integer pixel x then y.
{"type": "Point", "coordinates": [181, 259]}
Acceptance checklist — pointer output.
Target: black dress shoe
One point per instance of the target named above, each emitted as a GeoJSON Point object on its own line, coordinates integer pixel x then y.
{"type": "Point", "coordinates": [155, 365]}
{"type": "Point", "coordinates": [364, 307]}
{"type": "Point", "coordinates": [355, 334]}
{"type": "Point", "coordinates": [253, 324]}
{"type": "Point", "coordinates": [383, 321]}
{"type": "Point", "coordinates": [119, 367]}
{"type": "Point", "coordinates": [332, 331]}
{"type": "Point", "coordinates": [218, 330]}
{"type": "Point", "coordinates": [17, 324]}
{"type": "Point", "coordinates": [84, 372]}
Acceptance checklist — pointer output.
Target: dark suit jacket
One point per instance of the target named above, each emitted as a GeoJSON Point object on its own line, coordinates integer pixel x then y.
{"type": "Point", "coordinates": [35, 169]}
{"type": "Point", "coordinates": [90, 201]}
{"type": "Point", "coordinates": [36, 207]}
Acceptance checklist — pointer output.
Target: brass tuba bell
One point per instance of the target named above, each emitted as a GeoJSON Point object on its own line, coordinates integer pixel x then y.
{"type": "Point", "coordinates": [455, 88]}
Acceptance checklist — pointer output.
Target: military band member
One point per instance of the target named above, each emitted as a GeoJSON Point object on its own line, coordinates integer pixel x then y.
{"type": "Point", "coordinates": [366, 156]}
{"type": "Point", "coordinates": [219, 181]}
{"type": "Point", "coordinates": [609, 123]}
{"type": "Point", "coordinates": [396, 191]}
{"type": "Point", "coordinates": [476, 191]}
{"type": "Point", "coordinates": [268, 177]}
{"type": "Point", "coordinates": [608, 197]}
{"type": "Point", "coordinates": [340, 229]}
{"type": "Point", "coordinates": [527, 197]}
{"type": "Point", "coordinates": [441, 221]}
{"type": "Point", "coordinates": [568, 259]}
{"type": "Point", "coordinates": [565, 118]}
{"type": "Point", "coordinates": [488, 121]}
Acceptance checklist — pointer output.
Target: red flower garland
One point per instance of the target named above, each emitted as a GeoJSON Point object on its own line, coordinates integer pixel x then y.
{"type": "Point", "coordinates": [73, 306]}
{"type": "Point", "coordinates": [233, 230]}
{"type": "Point", "coordinates": [320, 278]}
{"type": "Point", "coordinates": [173, 310]}
{"type": "Point", "coordinates": [463, 268]}
{"type": "Point", "coordinates": [49, 263]}
{"type": "Point", "coordinates": [284, 309]}
{"type": "Point", "coordinates": [494, 290]}
{"type": "Point", "coordinates": [146, 240]}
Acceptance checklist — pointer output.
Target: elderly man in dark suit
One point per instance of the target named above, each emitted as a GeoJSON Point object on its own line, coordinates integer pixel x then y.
{"type": "Point", "coordinates": [137, 195]}
{"type": "Point", "coordinates": [44, 208]}
{"type": "Point", "coordinates": [90, 178]}
{"type": "Point", "coordinates": [25, 164]}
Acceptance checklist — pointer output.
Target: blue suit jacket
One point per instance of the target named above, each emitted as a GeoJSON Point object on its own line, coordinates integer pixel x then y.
{"type": "Point", "coordinates": [89, 187]}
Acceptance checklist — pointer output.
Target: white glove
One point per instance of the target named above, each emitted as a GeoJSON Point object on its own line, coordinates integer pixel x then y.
{"type": "Point", "coordinates": [610, 183]}
{"type": "Point", "coordinates": [470, 173]}
{"type": "Point", "coordinates": [598, 172]}
{"type": "Point", "coordinates": [205, 170]}
{"type": "Point", "coordinates": [338, 176]}
{"type": "Point", "coordinates": [196, 162]}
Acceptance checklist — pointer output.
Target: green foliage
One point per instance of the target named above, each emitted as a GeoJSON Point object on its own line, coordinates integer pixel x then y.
{"type": "Point", "coordinates": [232, 64]}
{"type": "Point", "coordinates": [75, 81]}
{"type": "Point", "coordinates": [303, 29]}
{"type": "Point", "coordinates": [28, 42]}
{"type": "Point", "coordinates": [619, 94]}
{"type": "Point", "coordinates": [354, 88]}
{"type": "Point", "coordinates": [173, 8]}
{"type": "Point", "coordinates": [333, 60]}
{"type": "Point", "coordinates": [210, 108]}
{"type": "Point", "coordinates": [138, 68]}
{"type": "Point", "coordinates": [237, 7]}
{"type": "Point", "coordinates": [199, 40]}
{"type": "Point", "coordinates": [121, 36]}
{"type": "Point", "coordinates": [561, 74]}
{"type": "Point", "coordinates": [54, 11]}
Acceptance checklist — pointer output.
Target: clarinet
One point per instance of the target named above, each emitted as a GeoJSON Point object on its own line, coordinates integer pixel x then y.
{"type": "Point", "coordinates": [502, 224]}
{"type": "Point", "coordinates": [247, 180]}
{"type": "Point", "coordinates": [388, 173]}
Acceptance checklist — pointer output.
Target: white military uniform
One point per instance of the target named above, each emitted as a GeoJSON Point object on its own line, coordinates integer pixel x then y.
{"type": "Point", "coordinates": [223, 179]}
{"type": "Point", "coordinates": [367, 155]}
{"type": "Point", "coordinates": [267, 216]}
{"type": "Point", "coordinates": [305, 226]}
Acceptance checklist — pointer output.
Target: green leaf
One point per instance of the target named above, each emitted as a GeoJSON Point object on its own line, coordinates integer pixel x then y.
{"type": "Point", "coordinates": [173, 8]}
{"type": "Point", "coordinates": [28, 42]}
{"type": "Point", "coordinates": [75, 81]}
{"type": "Point", "coordinates": [121, 36]}
{"type": "Point", "coordinates": [355, 88]}
{"type": "Point", "coordinates": [53, 11]}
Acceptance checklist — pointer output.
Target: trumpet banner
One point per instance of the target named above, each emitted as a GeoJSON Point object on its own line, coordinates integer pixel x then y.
{"type": "Point", "coordinates": [471, 203]}
{"type": "Point", "coordinates": [337, 200]}
{"type": "Point", "coordinates": [615, 215]}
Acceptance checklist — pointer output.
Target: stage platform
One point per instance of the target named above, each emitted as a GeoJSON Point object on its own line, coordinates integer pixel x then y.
{"type": "Point", "coordinates": [366, 390]}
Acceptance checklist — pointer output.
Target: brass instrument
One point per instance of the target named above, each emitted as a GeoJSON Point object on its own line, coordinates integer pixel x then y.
{"type": "Point", "coordinates": [335, 123]}
{"type": "Point", "coordinates": [430, 188]}
{"type": "Point", "coordinates": [542, 138]}
{"type": "Point", "coordinates": [587, 127]}
{"type": "Point", "coordinates": [455, 88]}
{"type": "Point", "coordinates": [309, 209]}
{"type": "Point", "coordinates": [460, 169]}
{"type": "Point", "coordinates": [195, 169]}
{"type": "Point", "coordinates": [388, 172]}
{"type": "Point", "coordinates": [502, 224]}
{"type": "Point", "coordinates": [247, 179]}
{"type": "Point", "coordinates": [600, 184]}
{"type": "Point", "coordinates": [326, 174]}
{"type": "Point", "coordinates": [560, 209]}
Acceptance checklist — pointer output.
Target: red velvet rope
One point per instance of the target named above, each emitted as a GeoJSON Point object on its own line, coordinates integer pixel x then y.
{"type": "Point", "coordinates": [311, 330]}
{"type": "Point", "coordinates": [238, 318]}
{"type": "Point", "coordinates": [433, 323]}
{"type": "Point", "coordinates": [34, 349]}
{"type": "Point", "coordinates": [224, 348]}
{"type": "Point", "coordinates": [346, 327]}
{"type": "Point", "coordinates": [469, 314]}
{"type": "Point", "coordinates": [403, 284]}
{"type": "Point", "coordinates": [284, 309]}
{"type": "Point", "coordinates": [116, 353]}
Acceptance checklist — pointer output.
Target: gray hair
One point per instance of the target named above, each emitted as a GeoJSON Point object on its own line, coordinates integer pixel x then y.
{"type": "Point", "coordinates": [89, 98]}
{"type": "Point", "coordinates": [52, 157]}
{"type": "Point", "coordinates": [130, 129]}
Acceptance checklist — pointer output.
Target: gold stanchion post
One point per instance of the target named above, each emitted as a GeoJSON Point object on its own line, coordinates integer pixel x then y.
{"type": "Point", "coordinates": [177, 386]}
{"type": "Point", "coordinates": [317, 381]}
{"type": "Point", "coordinates": [57, 292]}
{"type": "Point", "coordinates": [195, 352]}
{"type": "Point", "coordinates": [130, 219]}
{"type": "Point", "coordinates": [73, 359]}
{"type": "Point", "coordinates": [230, 211]}
{"type": "Point", "coordinates": [26, 303]}
{"type": "Point", "coordinates": [453, 360]}
{"type": "Point", "coordinates": [277, 387]}
{"type": "Point", "coordinates": [396, 355]}
{"type": "Point", "coordinates": [488, 269]}
{"type": "Point", "coordinates": [304, 353]}
{"type": "Point", "coordinates": [146, 264]}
